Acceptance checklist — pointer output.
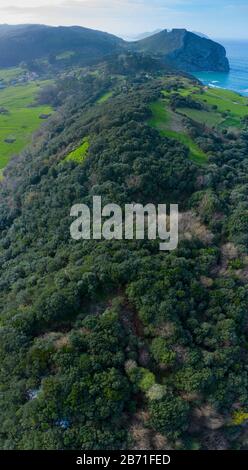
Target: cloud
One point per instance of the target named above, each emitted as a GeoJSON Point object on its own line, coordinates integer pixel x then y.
{"type": "Point", "coordinates": [127, 17]}
{"type": "Point", "coordinates": [114, 15]}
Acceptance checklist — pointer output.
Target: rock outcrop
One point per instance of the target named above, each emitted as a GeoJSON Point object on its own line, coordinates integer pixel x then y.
{"type": "Point", "coordinates": [185, 51]}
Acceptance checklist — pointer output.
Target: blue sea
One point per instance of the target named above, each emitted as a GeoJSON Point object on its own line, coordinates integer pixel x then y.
{"type": "Point", "coordinates": [237, 78]}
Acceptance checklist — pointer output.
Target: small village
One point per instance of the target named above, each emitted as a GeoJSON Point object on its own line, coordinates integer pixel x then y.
{"type": "Point", "coordinates": [24, 78]}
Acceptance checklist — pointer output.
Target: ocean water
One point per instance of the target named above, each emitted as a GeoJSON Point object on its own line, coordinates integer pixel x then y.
{"type": "Point", "coordinates": [237, 78]}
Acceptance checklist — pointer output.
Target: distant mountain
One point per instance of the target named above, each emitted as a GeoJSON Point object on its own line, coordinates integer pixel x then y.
{"type": "Point", "coordinates": [177, 48]}
{"type": "Point", "coordinates": [185, 51]}
{"type": "Point", "coordinates": [138, 37]}
{"type": "Point", "coordinates": [28, 42]}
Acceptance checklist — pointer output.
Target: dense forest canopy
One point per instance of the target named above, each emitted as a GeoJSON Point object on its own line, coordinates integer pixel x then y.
{"type": "Point", "coordinates": [114, 344]}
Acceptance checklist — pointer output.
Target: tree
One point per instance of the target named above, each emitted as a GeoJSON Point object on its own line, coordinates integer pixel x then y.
{"type": "Point", "coordinates": [169, 416]}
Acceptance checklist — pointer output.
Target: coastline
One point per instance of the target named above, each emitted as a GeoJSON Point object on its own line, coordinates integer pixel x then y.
{"type": "Point", "coordinates": [237, 79]}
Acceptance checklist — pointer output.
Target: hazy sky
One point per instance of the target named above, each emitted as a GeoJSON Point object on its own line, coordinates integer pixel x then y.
{"type": "Point", "coordinates": [217, 18]}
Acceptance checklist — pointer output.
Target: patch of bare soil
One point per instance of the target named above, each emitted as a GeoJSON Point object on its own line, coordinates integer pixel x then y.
{"type": "Point", "coordinates": [176, 122]}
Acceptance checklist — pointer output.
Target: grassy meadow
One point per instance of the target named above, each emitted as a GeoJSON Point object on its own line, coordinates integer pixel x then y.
{"type": "Point", "coordinates": [163, 122]}
{"type": "Point", "coordinates": [78, 155]}
{"type": "Point", "coordinates": [9, 74]}
{"type": "Point", "coordinates": [21, 117]}
{"type": "Point", "coordinates": [222, 110]}
{"type": "Point", "coordinates": [105, 97]}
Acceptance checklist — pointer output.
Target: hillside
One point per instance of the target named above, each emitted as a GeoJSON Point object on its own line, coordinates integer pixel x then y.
{"type": "Point", "coordinates": [30, 42]}
{"type": "Point", "coordinates": [112, 344]}
{"type": "Point", "coordinates": [185, 51]}
{"type": "Point", "coordinates": [65, 46]}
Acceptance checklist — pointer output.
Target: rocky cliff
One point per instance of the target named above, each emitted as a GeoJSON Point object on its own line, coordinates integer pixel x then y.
{"type": "Point", "coordinates": [185, 51]}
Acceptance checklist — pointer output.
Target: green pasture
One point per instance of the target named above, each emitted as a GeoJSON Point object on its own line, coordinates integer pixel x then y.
{"type": "Point", "coordinates": [223, 108]}
{"type": "Point", "coordinates": [160, 116]}
{"type": "Point", "coordinates": [105, 97]}
{"type": "Point", "coordinates": [226, 102]}
{"type": "Point", "coordinates": [196, 154]}
{"type": "Point", "coordinates": [160, 120]}
{"type": "Point", "coordinates": [78, 155]}
{"type": "Point", "coordinates": [11, 73]}
{"type": "Point", "coordinates": [210, 118]}
{"type": "Point", "coordinates": [21, 120]}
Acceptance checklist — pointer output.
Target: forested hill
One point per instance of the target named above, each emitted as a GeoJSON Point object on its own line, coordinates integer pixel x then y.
{"type": "Point", "coordinates": [25, 43]}
{"type": "Point", "coordinates": [114, 344]}
{"type": "Point", "coordinates": [63, 46]}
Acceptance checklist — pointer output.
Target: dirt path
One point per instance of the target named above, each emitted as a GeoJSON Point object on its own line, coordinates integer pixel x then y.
{"type": "Point", "coordinates": [176, 122]}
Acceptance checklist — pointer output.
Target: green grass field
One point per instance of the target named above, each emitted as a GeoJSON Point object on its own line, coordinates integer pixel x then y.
{"type": "Point", "coordinates": [78, 155]}
{"type": "Point", "coordinates": [230, 106]}
{"type": "Point", "coordinates": [210, 118]}
{"type": "Point", "coordinates": [230, 123]}
{"type": "Point", "coordinates": [160, 116]}
{"type": "Point", "coordinates": [186, 91]}
{"type": "Point", "coordinates": [196, 154]}
{"type": "Point", "coordinates": [226, 101]}
{"type": "Point", "coordinates": [11, 73]}
{"type": "Point", "coordinates": [228, 95]}
{"type": "Point", "coordinates": [105, 97]}
{"type": "Point", "coordinates": [22, 119]}
{"type": "Point", "coordinates": [160, 120]}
